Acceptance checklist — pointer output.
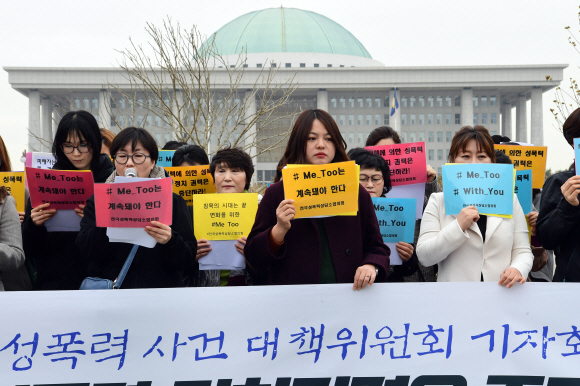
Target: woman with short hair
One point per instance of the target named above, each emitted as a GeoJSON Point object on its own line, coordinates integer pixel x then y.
{"type": "Point", "coordinates": [190, 155]}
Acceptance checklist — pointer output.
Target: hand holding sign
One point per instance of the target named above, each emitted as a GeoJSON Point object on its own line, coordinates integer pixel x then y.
{"type": "Point", "coordinates": [467, 216]}
{"type": "Point", "coordinates": [40, 214]}
{"type": "Point", "coordinates": [160, 232]}
{"type": "Point", "coordinates": [570, 190]}
{"type": "Point", "coordinates": [284, 214]}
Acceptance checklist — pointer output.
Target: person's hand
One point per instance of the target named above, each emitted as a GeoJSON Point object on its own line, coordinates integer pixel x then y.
{"type": "Point", "coordinates": [467, 216]}
{"type": "Point", "coordinates": [532, 219]}
{"type": "Point", "coordinates": [405, 250]}
{"type": "Point", "coordinates": [203, 248]}
{"type": "Point", "coordinates": [570, 190]}
{"type": "Point", "coordinates": [241, 245]}
{"type": "Point", "coordinates": [284, 213]}
{"type": "Point", "coordinates": [365, 276]}
{"type": "Point", "coordinates": [21, 215]}
{"type": "Point", "coordinates": [511, 276]}
{"type": "Point", "coordinates": [160, 232]}
{"type": "Point", "coordinates": [80, 211]}
{"type": "Point", "coordinates": [431, 174]}
{"type": "Point", "coordinates": [40, 214]}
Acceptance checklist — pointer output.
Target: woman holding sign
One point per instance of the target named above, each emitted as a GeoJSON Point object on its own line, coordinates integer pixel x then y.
{"type": "Point", "coordinates": [59, 263]}
{"type": "Point", "coordinates": [470, 246]}
{"type": "Point", "coordinates": [163, 265]}
{"type": "Point", "coordinates": [336, 249]}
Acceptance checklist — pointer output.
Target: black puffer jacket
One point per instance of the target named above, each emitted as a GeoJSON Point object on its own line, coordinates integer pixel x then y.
{"type": "Point", "coordinates": [558, 228]}
{"type": "Point", "coordinates": [58, 260]}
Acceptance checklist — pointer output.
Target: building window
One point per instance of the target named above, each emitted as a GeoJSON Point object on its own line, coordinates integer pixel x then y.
{"type": "Point", "coordinates": [369, 119]}
{"type": "Point", "coordinates": [288, 65]}
{"type": "Point", "coordinates": [493, 118]}
{"type": "Point", "coordinates": [259, 65]}
{"type": "Point", "coordinates": [413, 137]}
{"type": "Point", "coordinates": [447, 119]}
{"type": "Point", "coordinates": [421, 136]}
{"type": "Point", "coordinates": [457, 119]}
{"type": "Point", "coordinates": [404, 102]}
{"type": "Point", "coordinates": [335, 118]}
{"type": "Point", "coordinates": [457, 101]}
{"type": "Point", "coordinates": [431, 155]}
{"type": "Point", "coordinates": [333, 102]}
{"type": "Point", "coordinates": [439, 101]}
{"type": "Point", "coordinates": [316, 65]}
{"type": "Point", "coordinates": [430, 101]}
{"type": "Point", "coordinates": [377, 120]}
{"type": "Point", "coordinates": [273, 65]}
{"type": "Point", "coordinates": [351, 102]}
{"type": "Point", "coordinates": [359, 120]}
{"type": "Point", "coordinates": [493, 132]}
{"type": "Point", "coordinates": [421, 101]}
{"type": "Point", "coordinates": [475, 101]}
{"type": "Point", "coordinates": [386, 119]}
{"type": "Point", "coordinates": [95, 103]}
{"type": "Point", "coordinates": [404, 119]}
{"type": "Point", "coordinates": [448, 136]}
{"type": "Point", "coordinates": [369, 102]}
{"type": "Point", "coordinates": [158, 121]}
{"type": "Point", "coordinates": [492, 100]}
{"type": "Point", "coordinates": [429, 119]}
{"type": "Point", "coordinates": [360, 102]}
{"type": "Point", "coordinates": [412, 119]}
{"type": "Point", "coordinates": [403, 137]}
{"type": "Point", "coordinates": [377, 102]}
{"type": "Point", "coordinates": [329, 65]}
{"type": "Point", "coordinates": [86, 104]}
{"type": "Point", "coordinates": [342, 102]}
{"type": "Point", "coordinates": [439, 119]}
{"type": "Point", "coordinates": [412, 100]}
{"type": "Point", "coordinates": [77, 102]}
{"type": "Point", "coordinates": [431, 136]}
{"type": "Point", "coordinates": [387, 102]}
{"type": "Point", "coordinates": [439, 154]}
{"type": "Point", "coordinates": [484, 118]}
{"type": "Point", "coordinates": [448, 101]}
{"type": "Point", "coordinates": [343, 135]}
{"type": "Point", "coordinates": [302, 65]}
{"type": "Point", "coordinates": [360, 138]}
{"type": "Point", "coordinates": [158, 140]}
{"type": "Point", "coordinates": [439, 136]}
{"type": "Point", "coordinates": [350, 137]}
{"type": "Point", "coordinates": [150, 120]}
{"type": "Point", "coordinates": [130, 121]}
{"type": "Point", "coordinates": [121, 121]}
{"type": "Point", "coordinates": [167, 137]}
{"type": "Point", "coordinates": [341, 118]}
{"type": "Point", "coordinates": [351, 120]}
{"type": "Point", "coordinates": [140, 120]}
{"type": "Point", "coordinates": [475, 118]}
{"type": "Point", "coordinates": [484, 101]}
{"type": "Point", "coordinates": [421, 119]}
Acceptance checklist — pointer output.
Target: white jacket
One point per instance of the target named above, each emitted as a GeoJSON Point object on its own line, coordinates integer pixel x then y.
{"type": "Point", "coordinates": [462, 256]}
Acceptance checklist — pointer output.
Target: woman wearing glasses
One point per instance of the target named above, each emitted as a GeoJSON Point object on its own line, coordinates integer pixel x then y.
{"type": "Point", "coordinates": [59, 263]}
{"type": "Point", "coordinates": [162, 266]}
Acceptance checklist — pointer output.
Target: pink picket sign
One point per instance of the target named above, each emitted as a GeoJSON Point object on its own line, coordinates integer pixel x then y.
{"type": "Point", "coordinates": [134, 204]}
{"type": "Point", "coordinates": [407, 162]}
{"type": "Point", "coordinates": [63, 189]}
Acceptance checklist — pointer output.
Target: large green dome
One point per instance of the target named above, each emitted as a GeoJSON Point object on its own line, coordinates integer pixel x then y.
{"type": "Point", "coordinates": [286, 30]}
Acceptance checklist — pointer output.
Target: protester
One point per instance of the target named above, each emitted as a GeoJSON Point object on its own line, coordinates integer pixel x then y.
{"type": "Point", "coordinates": [108, 138]}
{"type": "Point", "coordinates": [337, 249]}
{"type": "Point", "coordinates": [385, 135]}
{"type": "Point", "coordinates": [58, 261]}
{"type": "Point", "coordinates": [173, 145]}
{"type": "Point", "coordinates": [161, 266]}
{"type": "Point", "coordinates": [232, 171]}
{"type": "Point", "coordinates": [6, 166]}
{"type": "Point", "coordinates": [456, 242]}
{"type": "Point", "coordinates": [376, 179]}
{"type": "Point", "coordinates": [559, 218]}
{"type": "Point", "coordinates": [190, 155]}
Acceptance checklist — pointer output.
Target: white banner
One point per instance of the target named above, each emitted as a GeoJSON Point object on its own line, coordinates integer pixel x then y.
{"type": "Point", "coordinates": [322, 335]}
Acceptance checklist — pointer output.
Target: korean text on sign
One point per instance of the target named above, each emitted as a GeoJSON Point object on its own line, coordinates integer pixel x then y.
{"type": "Point", "coordinates": [165, 158]}
{"type": "Point", "coordinates": [14, 183]}
{"type": "Point", "coordinates": [528, 157]}
{"type": "Point", "coordinates": [523, 189]}
{"type": "Point", "coordinates": [63, 189]}
{"type": "Point", "coordinates": [40, 160]}
{"type": "Point", "coordinates": [396, 218]}
{"type": "Point", "coordinates": [191, 180]}
{"type": "Point", "coordinates": [224, 216]}
{"type": "Point", "coordinates": [488, 187]}
{"type": "Point", "coordinates": [322, 190]}
{"type": "Point", "coordinates": [407, 162]}
{"type": "Point", "coordinates": [134, 204]}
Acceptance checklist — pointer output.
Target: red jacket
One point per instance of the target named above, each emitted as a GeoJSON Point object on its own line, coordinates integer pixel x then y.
{"type": "Point", "coordinates": [354, 241]}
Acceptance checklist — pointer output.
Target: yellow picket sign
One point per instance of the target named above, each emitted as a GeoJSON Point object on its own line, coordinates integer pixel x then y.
{"type": "Point", "coordinates": [14, 182]}
{"type": "Point", "coordinates": [191, 180]}
{"type": "Point", "coordinates": [528, 157]}
{"type": "Point", "coordinates": [322, 190]}
{"type": "Point", "coordinates": [224, 216]}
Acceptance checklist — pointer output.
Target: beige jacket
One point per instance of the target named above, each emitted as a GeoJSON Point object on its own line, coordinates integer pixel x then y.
{"type": "Point", "coordinates": [462, 256]}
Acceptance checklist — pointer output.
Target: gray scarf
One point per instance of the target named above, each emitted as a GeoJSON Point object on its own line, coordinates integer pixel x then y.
{"type": "Point", "coordinates": [156, 172]}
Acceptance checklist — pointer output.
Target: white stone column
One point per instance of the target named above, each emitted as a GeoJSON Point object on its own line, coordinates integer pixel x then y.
{"type": "Point", "coordinates": [322, 99]}
{"type": "Point", "coordinates": [34, 121]}
{"type": "Point", "coordinates": [521, 132]}
{"type": "Point", "coordinates": [250, 141]}
{"type": "Point", "coordinates": [57, 114]}
{"type": "Point", "coordinates": [537, 117]}
{"type": "Point", "coordinates": [105, 109]}
{"type": "Point", "coordinates": [395, 120]}
{"type": "Point", "coordinates": [467, 107]}
{"type": "Point", "coordinates": [47, 124]}
{"type": "Point", "coordinates": [506, 120]}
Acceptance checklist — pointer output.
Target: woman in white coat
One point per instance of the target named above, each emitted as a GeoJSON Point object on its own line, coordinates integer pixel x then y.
{"type": "Point", "coordinates": [470, 246]}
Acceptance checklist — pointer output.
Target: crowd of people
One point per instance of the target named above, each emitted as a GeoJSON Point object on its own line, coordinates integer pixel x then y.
{"type": "Point", "coordinates": [281, 249]}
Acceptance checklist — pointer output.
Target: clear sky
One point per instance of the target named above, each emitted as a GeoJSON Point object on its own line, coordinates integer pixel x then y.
{"type": "Point", "coordinates": [63, 33]}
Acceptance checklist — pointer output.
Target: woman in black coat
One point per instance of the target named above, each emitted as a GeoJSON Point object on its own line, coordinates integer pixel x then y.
{"type": "Point", "coordinates": [59, 263]}
{"type": "Point", "coordinates": [165, 264]}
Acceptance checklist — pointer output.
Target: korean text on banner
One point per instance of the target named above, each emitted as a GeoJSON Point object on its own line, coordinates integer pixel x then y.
{"type": "Point", "coordinates": [407, 162]}
{"type": "Point", "coordinates": [191, 180]}
{"type": "Point", "coordinates": [322, 190]}
{"type": "Point", "coordinates": [14, 183]}
{"type": "Point", "coordinates": [396, 218]}
{"type": "Point", "coordinates": [488, 187]}
{"type": "Point", "coordinates": [165, 158]}
{"type": "Point", "coordinates": [134, 204]}
{"type": "Point", "coordinates": [577, 154]}
{"type": "Point", "coordinates": [528, 157]}
{"type": "Point", "coordinates": [524, 189]}
{"type": "Point", "coordinates": [40, 160]}
{"type": "Point", "coordinates": [224, 216]}
{"type": "Point", "coordinates": [63, 189]}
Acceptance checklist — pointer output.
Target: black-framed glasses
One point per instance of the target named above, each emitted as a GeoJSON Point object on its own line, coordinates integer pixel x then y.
{"type": "Point", "coordinates": [82, 148]}
{"type": "Point", "coordinates": [374, 179]}
{"type": "Point", "coordinates": [138, 158]}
